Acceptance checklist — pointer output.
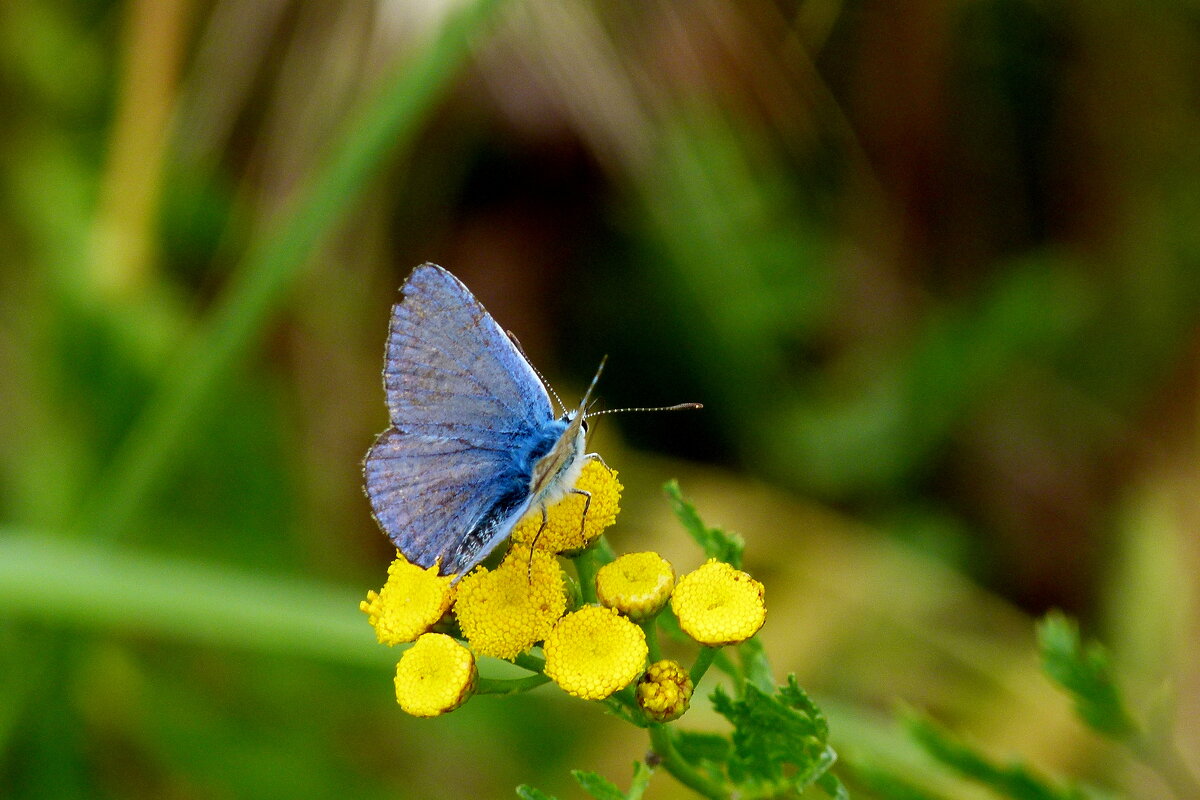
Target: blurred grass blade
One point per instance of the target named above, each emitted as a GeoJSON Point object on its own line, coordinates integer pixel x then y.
{"type": "Point", "coordinates": [1013, 779]}
{"type": "Point", "coordinates": [78, 584]}
{"type": "Point", "coordinates": [270, 267]}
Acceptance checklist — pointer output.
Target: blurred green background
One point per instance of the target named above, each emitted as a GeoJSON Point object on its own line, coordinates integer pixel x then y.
{"type": "Point", "coordinates": [933, 269]}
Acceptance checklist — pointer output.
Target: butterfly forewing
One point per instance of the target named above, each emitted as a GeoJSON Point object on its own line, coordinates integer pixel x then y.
{"type": "Point", "coordinates": [452, 372]}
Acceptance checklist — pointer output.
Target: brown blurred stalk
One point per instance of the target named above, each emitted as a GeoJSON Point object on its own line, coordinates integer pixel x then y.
{"type": "Point", "coordinates": [152, 44]}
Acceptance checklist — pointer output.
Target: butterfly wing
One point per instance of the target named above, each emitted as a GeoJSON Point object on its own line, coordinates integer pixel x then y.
{"type": "Point", "coordinates": [445, 481]}
{"type": "Point", "coordinates": [450, 370]}
{"type": "Point", "coordinates": [442, 498]}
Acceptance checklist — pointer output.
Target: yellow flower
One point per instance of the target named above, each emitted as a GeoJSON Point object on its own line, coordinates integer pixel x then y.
{"type": "Point", "coordinates": [594, 651]}
{"type": "Point", "coordinates": [718, 605]}
{"type": "Point", "coordinates": [411, 601]}
{"type": "Point", "coordinates": [435, 675]}
{"type": "Point", "coordinates": [505, 612]}
{"type": "Point", "coordinates": [665, 691]}
{"type": "Point", "coordinates": [567, 529]}
{"type": "Point", "coordinates": [636, 584]}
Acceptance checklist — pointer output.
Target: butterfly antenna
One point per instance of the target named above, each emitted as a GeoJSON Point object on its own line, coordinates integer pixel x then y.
{"type": "Point", "coordinates": [513, 338]}
{"type": "Point", "coordinates": [587, 396]}
{"type": "Point", "coordinates": [679, 407]}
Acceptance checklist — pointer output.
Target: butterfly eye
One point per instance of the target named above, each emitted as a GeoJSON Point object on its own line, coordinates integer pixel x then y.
{"type": "Point", "coordinates": [584, 424]}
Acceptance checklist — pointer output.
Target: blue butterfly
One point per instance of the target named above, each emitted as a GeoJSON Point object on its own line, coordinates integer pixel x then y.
{"type": "Point", "coordinates": [473, 444]}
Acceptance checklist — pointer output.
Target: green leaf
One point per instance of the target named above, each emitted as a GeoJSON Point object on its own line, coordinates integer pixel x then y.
{"type": "Point", "coordinates": [1013, 780]}
{"type": "Point", "coordinates": [597, 785]}
{"type": "Point", "coordinates": [526, 792]}
{"type": "Point", "coordinates": [755, 665]}
{"type": "Point", "coordinates": [886, 785]}
{"type": "Point", "coordinates": [696, 746]}
{"type": "Point", "coordinates": [715, 542]}
{"type": "Point", "coordinates": [796, 697]}
{"type": "Point", "coordinates": [778, 740]}
{"type": "Point", "coordinates": [1085, 672]}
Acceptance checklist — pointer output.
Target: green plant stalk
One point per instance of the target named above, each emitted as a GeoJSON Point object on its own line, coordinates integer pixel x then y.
{"type": "Point", "coordinates": [588, 563]}
{"type": "Point", "coordinates": [85, 585]}
{"type": "Point", "coordinates": [624, 705]}
{"type": "Point", "coordinates": [704, 660]}
{"type": "Point", "coordinates": [505, 686]}
{"type": "Point", "coordinates": [650, 627]}
{"type": "Point", "coordinates": [677, 765]}
{"type": "Point", "coordinates": [530, 662]}
{"type": "Point", "coordinates": [269, 269]}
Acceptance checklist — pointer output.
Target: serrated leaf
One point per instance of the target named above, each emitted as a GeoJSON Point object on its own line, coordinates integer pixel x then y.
{"type": "Point", "coordinates": [526, 792]}
{"type": "Point", "coordinates": [1013, 780]}
{"type": "Point", "coordinates": [715, 542]}
{"type": "Point", "coordinates": [777, 739]}
{"type": "Point", "coordinates": [1086, 674]}
{"type": "Point", "coordinates": [695, 746]}
{"type": "Point", "coordinates": [797, 698]}
{"type": "Point", "coordinates": [597, 785]}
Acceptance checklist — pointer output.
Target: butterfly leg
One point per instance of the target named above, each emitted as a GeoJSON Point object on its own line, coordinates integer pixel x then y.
{"type": "Point", "coordinates": [587, 503]}
{"type": "Point", "coordinates": [533, 544]}
{"type": "Point", "coordinates": [598, 457]}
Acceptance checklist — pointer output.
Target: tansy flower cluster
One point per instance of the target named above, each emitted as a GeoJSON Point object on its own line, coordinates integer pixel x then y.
{"type": "Point", "coordinates": [593, 633]}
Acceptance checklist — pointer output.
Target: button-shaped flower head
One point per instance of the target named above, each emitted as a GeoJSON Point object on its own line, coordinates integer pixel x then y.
{"type": "Point", "coordinates": [410, 602]}
{"type": "Point", "coordinates": [567, 528]}
{"type": "Point", "coordinates": [718, 605]}
{"type": "Point", "coordinates": [636, 584]}
{"type": "Point", "coordinates": [594, 651]}
{"type": "Point", "coordinates": [664, 691]}
{"type": "Point", "coordinates": [508, 610]}
{"type": "Point", "coordinates": [435, 675]}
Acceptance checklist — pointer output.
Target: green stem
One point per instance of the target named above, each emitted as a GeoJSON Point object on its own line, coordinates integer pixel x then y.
{"type": "Point", "coordinates": [588, 563]}
{"type": "Point", "coordinates": [530, 662]}
{"type": "Point", "coordinates": [650, 626]}
{"type": "Point", "coordinates": [704, 660]}
{"type": "Point", "coordinates": [503, 686]}
{"type": "Point", "coordinates": [662, 741]}
{"type": "Point", "coordinates": [624, 705]}
{"type": "Point", "coordinates": [268, 270]}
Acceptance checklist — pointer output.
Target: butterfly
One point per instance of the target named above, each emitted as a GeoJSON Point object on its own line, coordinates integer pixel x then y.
{"type": "Point", "coordinates": [474, 444]}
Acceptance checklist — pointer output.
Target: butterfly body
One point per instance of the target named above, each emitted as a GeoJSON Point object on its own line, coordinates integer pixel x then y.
{"type": "Point", "coordinates": [474, 444]}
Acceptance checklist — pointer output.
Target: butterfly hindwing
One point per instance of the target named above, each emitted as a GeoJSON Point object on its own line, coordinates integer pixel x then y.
{"type": "Point", "coordinates": [442, 499]}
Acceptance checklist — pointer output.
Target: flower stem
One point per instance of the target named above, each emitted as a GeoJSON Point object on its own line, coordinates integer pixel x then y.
{"type": "Point", "coordinates": [504, 686]}
{"type": "Point", "coordinates": [704, 660]}
{"type": "Point", "coordinates": [650, 627]}
{"type": "Point", "coordinates": [530, 662]}
{"type": "Point", "coordinates": [624, 705]}
{"type": "Point", "coordinates": [661, 740]}
{"type": "Point", "coordinates": [588, 563]}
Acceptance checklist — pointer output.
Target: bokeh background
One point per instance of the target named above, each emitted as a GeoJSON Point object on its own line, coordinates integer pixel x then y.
{"type": "Point", "coordinates": [932, 268]}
